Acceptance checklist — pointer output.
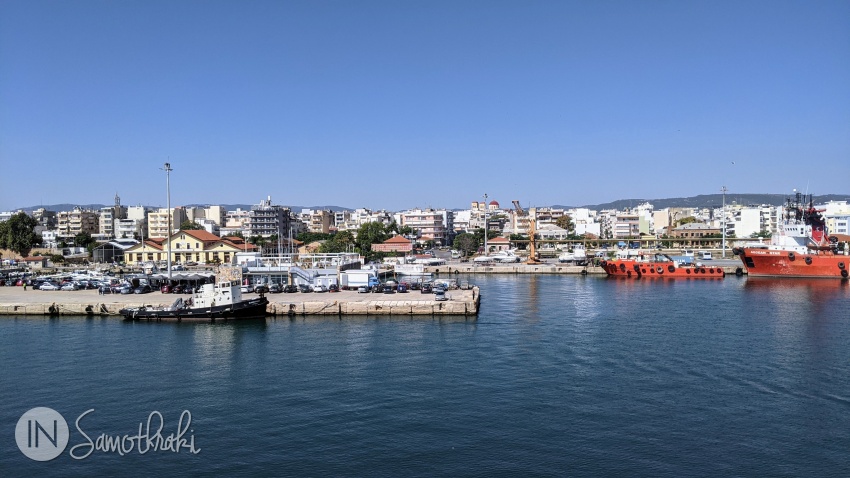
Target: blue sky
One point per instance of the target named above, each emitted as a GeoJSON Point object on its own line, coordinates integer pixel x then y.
{"type": "Point", "coordinates": [415, 104]}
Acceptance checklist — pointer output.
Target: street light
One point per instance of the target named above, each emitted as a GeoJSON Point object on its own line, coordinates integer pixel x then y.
{"type": "Point", "coordinates": [168, 170]}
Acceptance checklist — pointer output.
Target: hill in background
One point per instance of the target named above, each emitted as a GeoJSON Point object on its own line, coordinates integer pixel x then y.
{"type": "Point", "coordinates": [701, 201]}
{"type": "Point", "coordinates": [711, 201]}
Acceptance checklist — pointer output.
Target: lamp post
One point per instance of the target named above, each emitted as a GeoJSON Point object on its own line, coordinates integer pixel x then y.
{"type": "Point", "coordinates": [723, 224]}
{"type": "Point", "coordinates": [168, 170]}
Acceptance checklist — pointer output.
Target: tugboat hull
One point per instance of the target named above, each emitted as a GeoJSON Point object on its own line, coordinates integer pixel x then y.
{"type": "Point", "coordinates": [248, 309]}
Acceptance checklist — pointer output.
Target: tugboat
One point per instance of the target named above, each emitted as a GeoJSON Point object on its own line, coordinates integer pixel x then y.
{"type": "Point", "coordinates": [221, 301]}
{"type": "Point", "coordinates": [660, 266]}
{"type": "Point", "coordinates": [802, 247]}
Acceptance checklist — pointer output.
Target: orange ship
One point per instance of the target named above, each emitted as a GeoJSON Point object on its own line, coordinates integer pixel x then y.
{"type": "Point", "coordinates": [660, 266]}
{"type": "Point", "coordinates": [802, 247]}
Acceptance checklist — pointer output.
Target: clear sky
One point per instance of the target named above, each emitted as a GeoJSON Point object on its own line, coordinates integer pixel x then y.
{"type": "Point", "coordinates": [399, 104]}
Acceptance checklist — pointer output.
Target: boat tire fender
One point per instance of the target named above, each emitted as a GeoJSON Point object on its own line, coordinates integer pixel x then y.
{"type": "Point", "coordinates": [736, 251]}
{"type": "Point", "coordinates": [739, 272]}
{"type": "Point", "coordinates": [659, 270]}
{"type": "Point", "coordinates": [791, 256]}
{"type": "Point", "coordinates": [809, 260]}
{"type": "Point", "coordinates": [844, 274]}
{"type": "Point", "coordinates": [841, 265]}
{"type": "Point", "coordinates": [622, 267]}
{"type": "Point", "coordinates": [671, 269]}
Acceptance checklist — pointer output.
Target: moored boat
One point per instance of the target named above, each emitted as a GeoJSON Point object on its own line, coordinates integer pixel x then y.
{"type": "Point", "coordinates": [222, 301]}
{"type": "Point", "coordinates": [801, 247]}
{"type": "Point", "coordinates": [659, 266]}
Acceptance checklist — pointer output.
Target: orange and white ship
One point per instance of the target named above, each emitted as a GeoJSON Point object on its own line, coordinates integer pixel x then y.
{"type": "Point", "coordinates": [660, 266]}
{"type": "Point", "coordinates": [802, 247]}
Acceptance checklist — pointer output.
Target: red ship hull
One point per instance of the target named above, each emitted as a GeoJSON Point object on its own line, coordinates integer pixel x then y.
{"type": "Point", "coordinates": [632, 269]}
{"type": "Point", "coordinates": [782, 263]}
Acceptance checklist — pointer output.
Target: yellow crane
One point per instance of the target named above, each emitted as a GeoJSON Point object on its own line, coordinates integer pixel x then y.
{"type": "Point", "coordinates": [532, 231]}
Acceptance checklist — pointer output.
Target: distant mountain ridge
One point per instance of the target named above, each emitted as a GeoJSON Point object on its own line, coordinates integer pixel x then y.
{"type": "Point", "coordinates": [700, 201]}
{"type": "Point", "coordinates": [710, 201]}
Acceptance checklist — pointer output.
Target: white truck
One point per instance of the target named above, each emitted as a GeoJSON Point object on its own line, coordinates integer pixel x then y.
{"type": "Point", "coordinates": [354, 278]}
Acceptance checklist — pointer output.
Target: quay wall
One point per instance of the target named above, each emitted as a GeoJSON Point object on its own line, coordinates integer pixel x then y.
{"type": "Point", "coordinates": [16, 301]}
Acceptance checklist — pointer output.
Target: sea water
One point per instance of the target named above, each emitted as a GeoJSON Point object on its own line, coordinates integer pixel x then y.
{"type": "Point", "coordinates": [558, 375]}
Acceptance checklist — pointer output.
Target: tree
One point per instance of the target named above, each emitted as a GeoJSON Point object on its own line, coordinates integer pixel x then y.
{"type": "Point", "coordinates": [565, 223]}
{"type": "Point", "coordinates": [18, 234]}
{"type": "Point", "coordinates": [342, 241]}
{"type": "Point", "coordinates": [83, 239]}
{"type": "Point", "coordinates": [687, 220]}
{"type": "Point", "coordinates": [368, 234]}
{"type": "Point", "coordinates": [190, 226]}
{"type": "Point", "coordinates": [465, 243]}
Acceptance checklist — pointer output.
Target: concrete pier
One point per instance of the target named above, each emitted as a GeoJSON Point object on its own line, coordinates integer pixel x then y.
{"type": "Point", "coordinates": [16, 301]}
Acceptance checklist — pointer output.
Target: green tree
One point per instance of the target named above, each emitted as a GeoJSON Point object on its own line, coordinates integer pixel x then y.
{"type": "Point", "coordinates": [342, 241]}
{"type": "Point", "coordinates": [368, 234]}
{"type": "Point", "coordinates": [465, 243]}
{"type": "Point", "coordinates": [83, 239]}
{"type": "Point", "coordinates": [687, 220]}
{"type": "Point", "coordinates": [479, 235]}
{"type": "Point", "coordinates": [18, 234]}
{"type": "Point", "coordinates": [190, 226]}
{"type": "Point", "coordinates": [565, 223]}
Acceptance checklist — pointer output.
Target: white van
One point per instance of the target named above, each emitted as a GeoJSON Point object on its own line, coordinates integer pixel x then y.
{"type": "Point", "coordinates": [706, 256]}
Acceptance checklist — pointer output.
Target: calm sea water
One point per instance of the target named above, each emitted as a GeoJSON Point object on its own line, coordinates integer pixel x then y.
{"type": "Point", "coordinates": [559, 375]}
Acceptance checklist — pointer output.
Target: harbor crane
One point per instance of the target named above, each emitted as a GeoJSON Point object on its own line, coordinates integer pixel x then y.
{"type": "Point", "coordinates": [532, 231]}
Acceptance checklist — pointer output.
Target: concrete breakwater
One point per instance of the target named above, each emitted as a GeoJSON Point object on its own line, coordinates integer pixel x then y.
{"type": "Point", "coordinates": [16, 301]}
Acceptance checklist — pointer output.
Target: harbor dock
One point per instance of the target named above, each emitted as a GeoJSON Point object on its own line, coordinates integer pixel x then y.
{"type": "Point", "coordinates": [16, 301]}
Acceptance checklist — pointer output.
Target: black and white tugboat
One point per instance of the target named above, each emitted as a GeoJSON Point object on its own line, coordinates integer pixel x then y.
{"type": "Point", "coordinates": [221, 301]}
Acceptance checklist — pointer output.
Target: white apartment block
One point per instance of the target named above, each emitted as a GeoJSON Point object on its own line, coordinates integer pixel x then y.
{"type": "Point", "coordinates": [430, 223]}
{"type": "Point", "coordinates": [158, 221]}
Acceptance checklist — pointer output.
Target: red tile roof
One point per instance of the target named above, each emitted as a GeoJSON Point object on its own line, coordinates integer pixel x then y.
{"type": "Point", "coordinates": [397, 240]}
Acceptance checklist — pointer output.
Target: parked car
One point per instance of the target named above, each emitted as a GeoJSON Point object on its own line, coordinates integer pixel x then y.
{"type": "Point", "coordinates": [388, 289]}
{"type": "Point", "coordinates": [178, 289]}
{"type": "Point", "coordinates": [245, 289]}
{"type": "Point", "coordinates": [69, 286]}
{"type": "Point", "coordinates": [464, 285]}
{"type": "Point", "coordinates": [427, 288]}
{"type": "Point", "coordinates": [290, 288]}
{"type": "Point", "coordinates": [403, 287]}
{"type": "Point", "coordinates": [363, 289]}
{"type": "Point", "coordinates": [49, 286]}
{"type": "Point", "coordinates": [275, 289]}
{"type": "Point", "coordinates": [142, 289]}
{"type": "Point", "coordinates": [104, 289]}
{"type": "Point", "coordinates": [125, 289]}
{"type": "Point", "coordinates": [305, 288]}
{"type": "Point", "coordinates": [321, 288]}
{"type": "Point", "coordinates": [261, 288]}
{"type": "Point", "coordinates": [333, 288]}
{"type": "Point", "coordinates": [440, 295]}
{"type": "Point", "coordinates": [165, 289]}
